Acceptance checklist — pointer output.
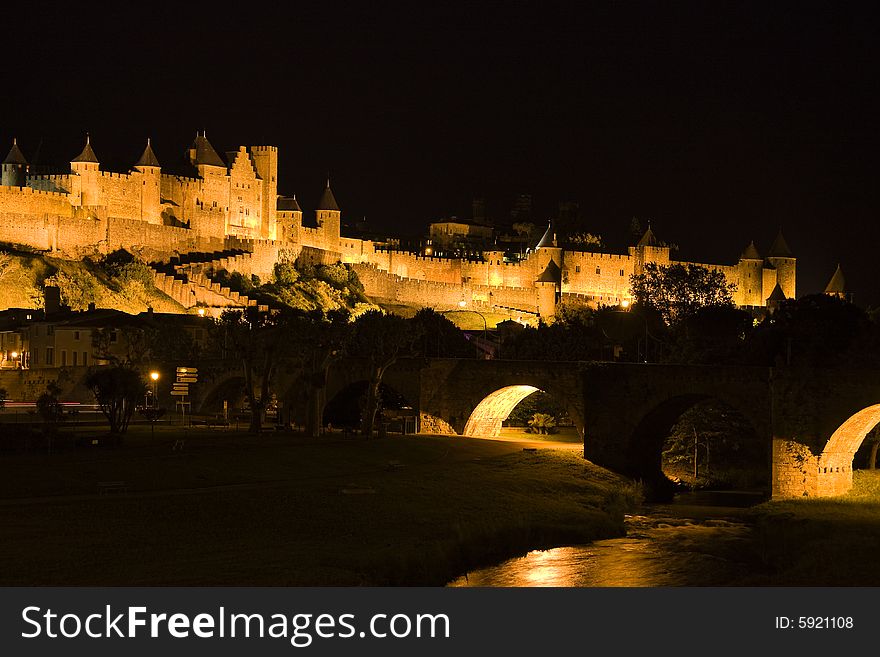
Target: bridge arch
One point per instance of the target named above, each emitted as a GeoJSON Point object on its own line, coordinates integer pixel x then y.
{"type": "Point", "coordinates": [834, 472]}
{"type": "Point", "coordinates": [494, 407]}
{"type": "Point", "coordinates": [644, 448]}
{"type": "Point", "coordinates": [230, 388]}
{"type": "Point", "coordinates": [486, 419]}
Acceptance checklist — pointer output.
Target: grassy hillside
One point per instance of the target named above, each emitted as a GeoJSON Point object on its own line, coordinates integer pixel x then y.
{"type": "Point", "coordinates": [24, 275]}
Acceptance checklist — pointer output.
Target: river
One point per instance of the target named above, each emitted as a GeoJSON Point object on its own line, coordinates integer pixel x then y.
{"type": "Point", "coordinates": [701, 539]}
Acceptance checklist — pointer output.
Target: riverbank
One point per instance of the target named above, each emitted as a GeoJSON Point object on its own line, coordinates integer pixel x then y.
{"type": "Point", "coordinates": [231, 509]}
{"type": "Point", "coordinates": [822, 541]}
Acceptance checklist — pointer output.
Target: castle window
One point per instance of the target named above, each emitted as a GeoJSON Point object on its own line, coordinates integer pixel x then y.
{"type": "Point", "coordinates": [75, 356]}
{"type": "Point", "coordinates": [577, 269]}
{"type": "Point", "coordinates": [76, 335]}
{"type": "Point", "coordinates": [63, 358]}
{"type": "Point", "coordinates": [50, 356]}
{"type": "Point", "coordinates": [621, 272]}
{"type": "Point", "coordinates": [598, 270]}
{"type": "Point", "coordinates": [85, 358]}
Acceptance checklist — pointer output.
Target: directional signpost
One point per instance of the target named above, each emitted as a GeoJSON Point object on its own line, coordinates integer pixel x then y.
{"type": "Point", "coordinates": [185, 377]}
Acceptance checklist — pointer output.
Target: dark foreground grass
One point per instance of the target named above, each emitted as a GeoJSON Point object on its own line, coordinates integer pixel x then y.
{"type": "Point", "coordinates": [825, 541]}
{"type": "Point", "coordinates": [236, 510]}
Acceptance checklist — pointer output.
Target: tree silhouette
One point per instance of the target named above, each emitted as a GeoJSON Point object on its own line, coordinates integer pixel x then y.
{"type": "Point", "coordinates": [381, 339]}
{"type": "Point", "coordinates": [677, 291]}
{"type": "Point", "coordinates": [117, 389]}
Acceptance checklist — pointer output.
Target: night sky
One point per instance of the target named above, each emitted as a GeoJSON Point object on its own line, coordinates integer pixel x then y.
{"type": "Point", "coordinates": [719, 121]}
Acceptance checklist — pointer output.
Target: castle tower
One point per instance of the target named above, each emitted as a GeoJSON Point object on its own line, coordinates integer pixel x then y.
{"type": "Point", "coordinates": [329, 218]}
{"type": "Point", "coordinates": [837, 285]}
{"type": "Point", "coordinates": [266, 163]}
{"type": "Point", "coordinates": [548, 264]}
{"type": "Point", "coordinates": [86, 166]}
{"type": "Point", "coordinates": [750, 281]}
{"type": "Point", "coordinates": [150, 170]}
{"type": "Point", "coordinates": [289, 219]}
{"type": "Point", "coordinates": [15, 168]}
{"type": "Point", "coordinates": [204, 158]}
{"type": "Point", "coordinates": [781, 258]}
{"type": "Point", "coordinates": [548, 284]}
{"type": "Point", "coordinates": [648, 250]}
{"type": "Point", "coordinates": [776, 299]}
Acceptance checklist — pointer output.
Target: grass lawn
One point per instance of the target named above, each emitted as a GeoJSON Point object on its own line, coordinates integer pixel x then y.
{"type": "Point", "coordinates": [824, 541]}
{"type": "Point", "coordinates": [277, 509]}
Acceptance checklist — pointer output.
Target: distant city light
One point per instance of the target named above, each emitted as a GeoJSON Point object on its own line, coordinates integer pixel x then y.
{"type": "Point", "coordinates": [154, 376]}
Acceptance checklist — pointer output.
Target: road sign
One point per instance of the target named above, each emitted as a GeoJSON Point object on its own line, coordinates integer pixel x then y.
{"type": "Point", "coordinates": [186, 379]}
{"type": "Point", "coordinates": [180, 386]}
{"type": "Point", "coordinates": [186, 370]}
{"type": "Point", "coordinates": [180, 393]}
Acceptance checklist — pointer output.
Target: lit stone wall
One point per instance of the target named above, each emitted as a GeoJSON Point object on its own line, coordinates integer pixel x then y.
{"type": "Point", "coordinates": [602, 275]}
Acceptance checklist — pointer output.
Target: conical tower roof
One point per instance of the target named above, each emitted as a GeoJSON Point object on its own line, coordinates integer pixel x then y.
{"type": "Point", "coordinates": [288, 203]}
{"type": "Point", "coordinates": [837, 284]}
{"type": "Point", "coordinates": [751, 252]}
{"type": "Point", "coordinates": [15, 156]}
{"type": "Point", "coordinates": [779, 249]}
{"type": "Point", "coordinates": [205, 153]}
{"type": "Point", "coordinates": [547, 238]}
{"type": "Point", "coordinates": [328, 201]}
{"type": "Point", "coordinates": [148, 159]}
{"type": "Point", "coordinates": [551, 274]}
{"type": "Point", "coordinates": [649, 239]}
{"type": "Point", "coordinates": [87, 155]}
{"type": "Point", "coordinates": [777, 294]}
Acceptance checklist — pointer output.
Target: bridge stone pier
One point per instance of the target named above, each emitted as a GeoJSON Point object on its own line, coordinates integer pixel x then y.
{"type": "Point", "coordinates": [812, 421]}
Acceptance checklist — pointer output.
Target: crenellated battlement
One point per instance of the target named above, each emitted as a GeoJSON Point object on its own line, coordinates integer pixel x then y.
{"type": "Point", "coordinates": [30, 191]}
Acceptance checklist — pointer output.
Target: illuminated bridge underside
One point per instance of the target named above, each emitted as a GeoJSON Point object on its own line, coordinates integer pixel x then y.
{"type": "Point", "coordinates": [493, 410]}
{"type": "Point", "coordinates": [849, 436]}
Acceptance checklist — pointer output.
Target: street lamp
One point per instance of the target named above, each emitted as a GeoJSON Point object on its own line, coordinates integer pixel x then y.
{"type": "Point", "coordinates": [154, 376]}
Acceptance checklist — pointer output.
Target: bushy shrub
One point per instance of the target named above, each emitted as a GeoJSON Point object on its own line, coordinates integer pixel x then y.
{"type": "Point", "coordinates": [78, 288]}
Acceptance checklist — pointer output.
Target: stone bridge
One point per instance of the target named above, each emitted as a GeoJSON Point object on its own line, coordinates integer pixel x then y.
{"type": "Point", "coordinates": [812, 420]}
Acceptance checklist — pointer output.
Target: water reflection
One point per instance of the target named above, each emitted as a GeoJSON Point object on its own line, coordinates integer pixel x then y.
{"type": "Point", "coordinates": [660, 549]}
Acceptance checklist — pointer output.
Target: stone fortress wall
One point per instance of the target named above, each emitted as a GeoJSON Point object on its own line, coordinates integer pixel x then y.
{"type": "Point", "coordinates": [234, 205]}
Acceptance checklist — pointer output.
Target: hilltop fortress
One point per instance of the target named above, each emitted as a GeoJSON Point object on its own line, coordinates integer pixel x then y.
{"type": "Point", "coordinates": [226, 213]}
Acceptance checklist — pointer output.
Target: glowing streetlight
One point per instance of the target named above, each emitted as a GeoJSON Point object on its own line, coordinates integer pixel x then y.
{"type": "Point", "coordinates": [624, 303]}
{"type": "Point", "coordinates": [462, 303]}
{"type": "Point", "coordinates": [201, 312]}
{"type": "Point", "coordinates": [14, 355]}
{"type": "Point", "coordinates": [154, 376]}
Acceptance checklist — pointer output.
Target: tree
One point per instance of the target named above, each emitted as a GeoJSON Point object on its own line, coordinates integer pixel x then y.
{"type": "Point", "coordinates": [117, 389]}
{"type": "Point", "coordinates": [586, 241]}
{"type": "Point", "coordinates": [524, 229]}
{"type": "Point", "coordinates": [677, 291]}
{"type": "Point", "coordinates": [381, 339]}
{"type": "Point", "coordinates": [542, 423]}
{"type": "Point", "coordinates": [261, 341]}
{"type": "Point", "coordinates": [440, 337]}
{"type": "Point", "coordinates": [711, 335]}
{"type": "Point", "coordinates": [324, 339]}
{"type": "Point", "coordinates": [817, 330]}
{"type": "Point", "coordinates": [49, 408]}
